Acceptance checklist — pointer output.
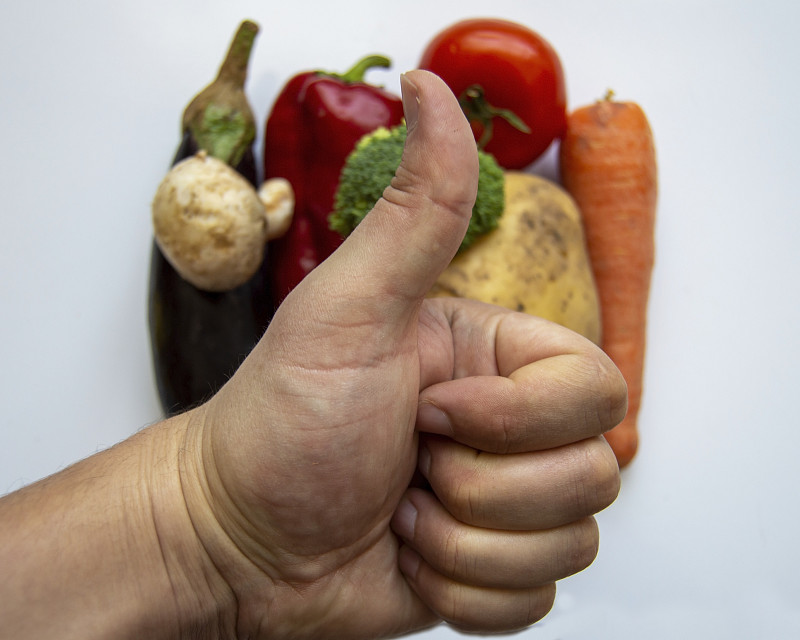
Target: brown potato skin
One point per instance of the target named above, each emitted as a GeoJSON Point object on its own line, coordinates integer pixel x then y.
{"type": "Point", "coordinates": [535, 261]}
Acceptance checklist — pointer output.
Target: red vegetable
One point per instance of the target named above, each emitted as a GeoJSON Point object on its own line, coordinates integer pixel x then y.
{"type": "Point", "coordinates": [314, 124]}
{"type": "Point", "coordinates": [518, 72]}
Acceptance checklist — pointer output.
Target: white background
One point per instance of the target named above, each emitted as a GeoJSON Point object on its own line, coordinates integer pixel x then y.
{"type": "Point", "coordinates": [702, 542]}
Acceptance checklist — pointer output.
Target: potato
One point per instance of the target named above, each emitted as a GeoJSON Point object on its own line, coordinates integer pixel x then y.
{"type": "Point", "coordinates": [535, 261]}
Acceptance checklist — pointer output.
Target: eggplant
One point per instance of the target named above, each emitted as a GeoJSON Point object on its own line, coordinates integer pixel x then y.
{"type": "Point", "coordinates": [199, 338]}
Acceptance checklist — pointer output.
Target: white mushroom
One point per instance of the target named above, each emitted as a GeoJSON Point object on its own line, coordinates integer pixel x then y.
{"type": "Point", "coordinates": [210, 223]}
{"type": "Point", "coordinates": [277, 196]}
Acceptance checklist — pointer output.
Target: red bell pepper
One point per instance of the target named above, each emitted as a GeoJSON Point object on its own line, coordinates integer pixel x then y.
{"type": "Point", "coordinates": [314, 124]}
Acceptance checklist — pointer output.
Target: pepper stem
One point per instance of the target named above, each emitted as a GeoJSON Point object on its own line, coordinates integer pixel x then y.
{"type": "Point", "coordinates": [477, 109]}
{"type": "Point", "coordinates": [357, 72]}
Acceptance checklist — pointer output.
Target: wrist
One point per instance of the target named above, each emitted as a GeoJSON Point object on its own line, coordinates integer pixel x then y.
{"type": "Point", "coordinates": [221, 536]}
{"type": "Point", "coordinates": [201, 602]}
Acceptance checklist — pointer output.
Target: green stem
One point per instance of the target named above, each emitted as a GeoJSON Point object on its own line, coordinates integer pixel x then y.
{"type": "Point", "coordinates": [357, 72]}
{"type": "Point", "coordinates": [219, 117]}
{"type": "Point", "coordinates": [477, 109]}
{"type": "Point", "coordinates": [234, 67]}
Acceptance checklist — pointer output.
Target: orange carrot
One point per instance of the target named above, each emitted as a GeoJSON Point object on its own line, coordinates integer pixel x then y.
{"type": "Point", "coordinates": [608, 164]}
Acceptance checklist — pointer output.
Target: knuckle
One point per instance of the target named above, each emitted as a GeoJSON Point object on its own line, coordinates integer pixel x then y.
{"type": "Point", "coordinates": [503, 431]}
{"type": "Point", "coordinates": [541, 601]}
{"type": "Point", "coordinates": [455, 562]}
{"type": "Point", "coordinates": [460, 484]}
{"type": "Point", "coordinates": [456, 608]}
{"type": "Point", "coordinates": [466, 503]}
{"type": "Point", "coordinates": [597, 480]}
{"type": "Point", "coordinates": [584, 547]}
{"type": "Point", "coordinates": [607, 477]}
{"type": "Point", "coordinates": [497, 612]}
{"type": "Point", "coordinates": [607, 397]}
{"type": "Point", "coordinates": [613, 399]}
{"type": "Point", "coordinates": [617, 402]}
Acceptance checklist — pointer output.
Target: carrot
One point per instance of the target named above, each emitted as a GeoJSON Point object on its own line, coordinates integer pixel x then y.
{"type": "Point", "coordinates": [608, 164]}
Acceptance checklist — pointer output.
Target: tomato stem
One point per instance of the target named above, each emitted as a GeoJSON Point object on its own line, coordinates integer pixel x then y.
{"type": "Point", "coordinates": [477, 109]}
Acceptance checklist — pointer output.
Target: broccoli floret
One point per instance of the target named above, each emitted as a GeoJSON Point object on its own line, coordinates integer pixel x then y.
{"type": "Point", "coordinates": [370, 167]}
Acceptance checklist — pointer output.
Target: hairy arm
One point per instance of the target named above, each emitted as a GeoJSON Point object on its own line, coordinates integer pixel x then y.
{"type": "Point", "coordinates": [106, 548]}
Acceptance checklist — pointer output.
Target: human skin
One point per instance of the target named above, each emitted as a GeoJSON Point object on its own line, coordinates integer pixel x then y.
{"type": "Point", "coordinates": [287, 506]}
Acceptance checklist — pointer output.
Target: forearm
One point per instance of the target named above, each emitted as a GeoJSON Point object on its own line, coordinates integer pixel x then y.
{"type": "Point", "coordinates": [105, 549]}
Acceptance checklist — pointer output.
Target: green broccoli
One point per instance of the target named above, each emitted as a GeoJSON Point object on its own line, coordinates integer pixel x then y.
{"type": "Point", "coordinates": [371, 166]}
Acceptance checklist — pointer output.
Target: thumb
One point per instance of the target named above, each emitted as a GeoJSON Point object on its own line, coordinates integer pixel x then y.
{"type": "Point", "coordinates": [415, 229]}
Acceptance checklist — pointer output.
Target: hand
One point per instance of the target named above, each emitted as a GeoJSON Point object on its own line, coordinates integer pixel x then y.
{"type": "Point", "coordinates": [287, 505]}
{"type": "Point", "coordinates": [297, 473]}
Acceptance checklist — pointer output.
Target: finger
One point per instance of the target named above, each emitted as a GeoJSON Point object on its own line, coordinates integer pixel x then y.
{"type": "Point", "coordinates": [518, 383]}
{"type": "Point", "coordinates": [398, 250]}
{"type": "Point", "coordinates": [522, 491]}
{"type": "Point", "coordinates": [475, 609]}
{"type": "Point", "coordinates": [491, 558]}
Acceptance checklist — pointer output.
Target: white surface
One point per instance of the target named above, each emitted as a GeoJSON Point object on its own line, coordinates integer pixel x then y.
{"type": "Point", "coordinates": [702, 540]}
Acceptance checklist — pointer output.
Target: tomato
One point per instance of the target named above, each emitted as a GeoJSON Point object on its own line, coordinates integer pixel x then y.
{"type": "Point", "coordinates": [517, 70]}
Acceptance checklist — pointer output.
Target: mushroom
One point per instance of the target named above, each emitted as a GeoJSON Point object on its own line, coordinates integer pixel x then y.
{"type": "Point", "coordinates": [212, 225]}
{"type": "Point", "coordinates": [277, 196]}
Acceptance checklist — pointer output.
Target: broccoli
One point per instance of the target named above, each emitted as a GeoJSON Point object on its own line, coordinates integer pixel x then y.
{"type": "Point", "coordinates": [371, 166]}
